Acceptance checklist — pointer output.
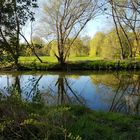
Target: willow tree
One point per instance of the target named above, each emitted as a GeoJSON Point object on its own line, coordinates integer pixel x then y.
{"type": "Point", "coordinates": [66, 19]}
{"type": "Point", "coordinates": [96, 44]}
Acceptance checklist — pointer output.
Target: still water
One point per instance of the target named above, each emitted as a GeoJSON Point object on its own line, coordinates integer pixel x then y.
{"type": "Point", "coordinates": [114, 92]}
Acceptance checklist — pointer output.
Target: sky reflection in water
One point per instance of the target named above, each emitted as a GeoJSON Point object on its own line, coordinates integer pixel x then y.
{"type": "Point", "coordinates": [117, 92]}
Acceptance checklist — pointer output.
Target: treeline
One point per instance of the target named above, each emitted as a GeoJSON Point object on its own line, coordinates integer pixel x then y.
{"type": "Point", "coordinates": [102, 45]}
{"type": "Point", "coordinates": [107, 45]}
{"type": "Point", "coordinates": [80, 47]}
{"type": "Point", "coordinates": [62, 22]}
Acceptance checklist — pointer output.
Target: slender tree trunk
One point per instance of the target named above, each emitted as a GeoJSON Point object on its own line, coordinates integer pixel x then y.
{"type": "Point", "coordinates": [125, 34]}
{"type": "Point", "coordinates": [61, 90]}
{"type": "Point", "coordinates": [17, 85]}
{"type": "Point", "coordinates": [117, 31]}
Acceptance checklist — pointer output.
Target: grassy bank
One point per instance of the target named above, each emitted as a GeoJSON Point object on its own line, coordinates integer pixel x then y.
{"type": "Point", "coordinates": [86, 65]}
{"type": "Point", "coordinates": [76, 63]}
{"type": "Point", "coordinates": [20, 120]}
{"type": "Point", "coordinates": [49, 59]}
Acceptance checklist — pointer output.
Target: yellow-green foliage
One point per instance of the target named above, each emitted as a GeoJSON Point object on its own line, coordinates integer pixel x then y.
{"type": "Point", "coordinates": [110, 46]}
{"type": "Point", "coordinates": [96, 44]}
{"type": "Point", "coordinates": [53, 49]}
{"type": "Point", "coordinates": [77, 48]}
{"type": "Point", "coordinates": [107, 45]}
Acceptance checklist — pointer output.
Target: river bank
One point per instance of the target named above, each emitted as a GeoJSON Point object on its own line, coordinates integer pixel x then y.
{"type": "Point", "coordinates": [26, 120]}
{"type": "Point", "coordinates": [96, 65]}
{"type": "Point", "coordinates": [69, 106]}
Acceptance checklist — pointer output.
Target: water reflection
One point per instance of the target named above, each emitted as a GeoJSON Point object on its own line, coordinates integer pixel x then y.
{"type": "Point", "coordinates": [114, 92]}
{"type": "Point", "coordinates": [125, 90]}
{"type": "Point", "coordinates": [127, 94]}
{"type": "Point", "coordinates": [64, 90]}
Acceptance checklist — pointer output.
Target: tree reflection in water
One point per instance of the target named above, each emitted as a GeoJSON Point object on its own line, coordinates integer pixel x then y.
{"type": "Point", "coordinates": [125, 88]}
{"type": "Point", "coordinates": [64, 90]}
{"type": "Point", "coordinates": [26, 90]}
{"type": "Point", "coordinates": [29, 86]}
{"type": "Point", "coordinates": [114, 92]}
{"type": "Point", "coordinates": [128, 92]}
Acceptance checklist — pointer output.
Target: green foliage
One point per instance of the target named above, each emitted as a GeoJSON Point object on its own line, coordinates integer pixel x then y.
{"type": "Point", "coordinates": [20, 119]}
{"type": "Point", "coordinates": [80, 63]}
{"type": "Point", "coordinates": [111, 46]}
{"type": "Point", "coordinates": [14, 15]}
{"type": "Point", "coordinates": [96, 44]}
{"type": "Point", "coordinates": [107, 45]}
{"type": "Point", "coordinates": [77, 48]}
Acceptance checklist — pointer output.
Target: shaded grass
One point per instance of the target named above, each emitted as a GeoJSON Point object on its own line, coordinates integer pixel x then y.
{"type": "Point", "coordinates": [21, 120]}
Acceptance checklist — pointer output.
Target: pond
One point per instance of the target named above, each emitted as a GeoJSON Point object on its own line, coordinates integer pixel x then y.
{"type": "Point", "coordinates": [101, 91]}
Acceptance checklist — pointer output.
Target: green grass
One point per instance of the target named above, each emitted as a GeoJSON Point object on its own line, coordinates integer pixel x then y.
{"type": "Point", "coordinates": [21, 120]}
{"type": "Point", "coordinates": [33, 58]}
{"type": "Point", "coordinates": [83, 64]}
{"type": "Point", "coordinates": [75, 63]}
{"type": "Point", "coordinates": [53, 59]}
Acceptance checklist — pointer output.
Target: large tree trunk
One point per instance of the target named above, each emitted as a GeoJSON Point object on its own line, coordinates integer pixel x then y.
{"type": "Point", "coordinates": [61, 61]}
{"type": "Point", "coordinates": [16, 63]}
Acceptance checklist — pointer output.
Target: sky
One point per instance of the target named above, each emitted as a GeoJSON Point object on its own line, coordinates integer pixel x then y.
{"type": "Point", "coordinates": [100, 23]}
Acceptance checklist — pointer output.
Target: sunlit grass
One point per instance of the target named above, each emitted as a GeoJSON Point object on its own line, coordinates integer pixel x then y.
{"type": "Point", "coordinates": [80, 63]}
{"type": "Point", "coordinates": [33, 58]}
{"type": "Point", "coordinates": [53, 59]}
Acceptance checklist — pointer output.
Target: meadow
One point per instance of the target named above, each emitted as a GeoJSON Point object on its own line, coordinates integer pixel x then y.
{"type": "Point", "coordinates": [79, 63]}
{"type": "Point", "coordinates": [51, 59]}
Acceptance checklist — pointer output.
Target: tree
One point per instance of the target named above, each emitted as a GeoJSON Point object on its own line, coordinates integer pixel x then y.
{"type": "Point", "coordinates": [78, 48]}
{"type": "Point", "coordinates": [111, 46]}
{"type": "Point", "coordinates": [129, 14]}
{"type": "Point", "coordinates": [14, 15]}
{"type": "Point", "coordinates": [126, 16]}
{"type": "Point", "coordinates": [66, 19]}
{"type": "Point", "coordinates": [107, 45]}
{"type": "Point", "coordinates": [96, 44]}
{"type": "Point", "coordinates": [39, 44]}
